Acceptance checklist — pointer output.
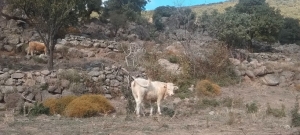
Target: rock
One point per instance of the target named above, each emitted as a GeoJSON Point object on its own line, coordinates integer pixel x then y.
{"type": "Point", "coordinates": [260, 71]}
{"type": "Point", "coordinates": [45, 72]}
{"type": "Point", "coordinates": [2, 107]}
{"type": "Point", "coordinates": [4, 76]}
{"type": "Point", "coordinates": [30, 96]}
{"type": "Point", "coordinates": [1, 96]}
{"type": "Point", "coordinates": [46, 95]}
{"type": "Point", "coordinates": [237, 72]}
{"type": "Point", "coordinates": [176, 100]}
{"type": "Point", "coordinates": [8, 48]}
{"type": "Point", "coordinates": [289, 75]}
{"type": "Point", "coordinates": [51, 89]}
{"type": "Point", "coordinates": [110, 76]}
{"type": "Point", "coordinates": [65, 83]}
{"type": "Point", "coordinates": [95, 79]}
{"type": "Point", "coordinates": [250, 74]}
{"type": "Point", "coordinates": [234, 61]}
{"type": "Point", "coordinates": [73, 52]}
{"type": "Point", "coordinates": [13, 39]}
{"type": "Point", "coordinates": [119, 78]}
{"type": "Point", "coordinates": [38, 97]}
{"type": "Point", "coordinates": [96, 45]}
{"type": "Point", "coordinates": [176, 48]}
{"type": "Point", "coordinates": [8, 89]}
{"type": "Point", "coordinates": [10, 82]}
{"type": "Point", "coordinates": [96, 69]}
{"type": "Point", "coordinates": [108, 96]}
{"type": "Point", "coordinates": [41, 79]}
{"type": "Point", "coordinates": [297, 76]}
{"type": "Point", "coordinates": [67, 93]}
{"type": "Point", "coordinates": [58, 90]}
{"type": "Point", "coordinates": [270, 80]}
{"type": "Point", "coordinates": [5, 69]}
{"type": "Point", "coordinates": [53, 75]}
{"type": "Point", "coordinates": [211, 113]}
{"type": "Point", "coordinates": [11, 99]}
{"type": "Point", "coordinates": [11, 71]}
{"type": "Point", "coordinates": [30, 82]}
{"type": "Point", "coordinates": [114, 83]}
{"type": "Point", "coordinates": [94, 73]}
{"type": "Point", "coordinates": [87, 43]}
{"type": "Point", "coordinates": [90, 54]}
{"type": "Point", "coordinates": [101, 77]}
{"type": "Point", "coordinates": [20, 89]}
{"type": "Point", "coordinates": [17, 75]}
{"type": "Point", "coordinates": [171, 67]}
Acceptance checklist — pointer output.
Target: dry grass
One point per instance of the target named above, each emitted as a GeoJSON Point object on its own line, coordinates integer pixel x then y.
{"type": "Point", "coordinates": [88, 105]}
{"type": "Point", "coordinates": [57, 106]}
{"type": "Point", "coordinates": [207, 88]}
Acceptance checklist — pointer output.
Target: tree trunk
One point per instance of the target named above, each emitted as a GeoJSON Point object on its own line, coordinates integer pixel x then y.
{"type": "Point", "coordinates": [50, 59]}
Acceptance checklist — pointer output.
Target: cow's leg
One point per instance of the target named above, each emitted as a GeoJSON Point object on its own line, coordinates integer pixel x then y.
{"type": "Point", "coordinates": [159, 98]}
{"type": "Point", "coordinates": [151, 109]}
{"type": "Point", "coordinates": [31, 52]}
{"type": "Point", "coordinates": [138, 107]}
{"type": "Point", "coordinates": [28, 50]}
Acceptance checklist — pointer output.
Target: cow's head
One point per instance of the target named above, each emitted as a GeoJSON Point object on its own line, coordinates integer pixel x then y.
{"type": "Point", "coordinates": [170, 89]}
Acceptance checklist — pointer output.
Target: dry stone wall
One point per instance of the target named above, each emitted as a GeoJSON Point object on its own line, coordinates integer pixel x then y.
{"type": "Point", "coordinates": [44, 84]}
{"type": "Point", "coordinates": [273, 69]}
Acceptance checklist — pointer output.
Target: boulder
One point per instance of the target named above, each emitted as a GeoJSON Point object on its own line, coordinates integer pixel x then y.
{"type": "Point", "coordinates": [8, 48]}
{"type": "Point", "coordinates": [171, 67]}
{"type": "Point", "coordinates": [17, 75]}
{"type": "Point", "coordinates": [4, 76]}
{"type": "Point", "coordinates": [271, 80]}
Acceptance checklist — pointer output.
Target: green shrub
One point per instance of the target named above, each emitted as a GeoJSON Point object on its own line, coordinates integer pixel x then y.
{"type": "Point", "coordinates": [88, 105]}
{"type": "Point", "coordinates": [276, 112]}
{"type": "Point", "coordinates": [204, 103]}
{"type": "Point", "coordinates": [173, 59]}
{"type": "Point", "coordinates": [70, 74]}
{"type": "Point", "coordinates": [295, 114]}
{"type": "Point", "coordinates": [207, 88]}
{"type": "Point", "coordinates": [251, 108]}
{"type": "Point", "coordinates": [38, 109]}
{"type": "Point", "coordinates": [39, 60]}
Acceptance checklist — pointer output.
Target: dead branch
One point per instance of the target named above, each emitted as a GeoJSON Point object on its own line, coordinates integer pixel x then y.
{"type": "Point", "coordinates": [27, 98]}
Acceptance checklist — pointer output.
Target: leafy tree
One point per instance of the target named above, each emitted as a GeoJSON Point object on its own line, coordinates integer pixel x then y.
{"type": "Point", "coordinates": [247, 21]}
{"type": "Point", "coordinates": [118, 20]}
{"type": "Point", "coordinates": [49, 16]}
{"type": "Point", "coordinates": [250, 6]}
{"type": "Point", "coordinates": [86, 7]}
{"type": "Point", "coordinates": [159, 12]}
{"type": "Point", "coordinates": [231, 27]}
{"type": "Point", "coordinates": [290, 32]}
{"type": "Point", "coordinates": [128, 10]}
{"type": "Point", "coordinates": [266, 22]}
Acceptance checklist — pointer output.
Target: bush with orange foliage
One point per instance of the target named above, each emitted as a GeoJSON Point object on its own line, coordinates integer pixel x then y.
{"type": "Point", "coordinates": [57, 106]}
{"type": "Point", "coordinates": [88, 105]}
{"type": "Point", "coordinates": [207, 88]}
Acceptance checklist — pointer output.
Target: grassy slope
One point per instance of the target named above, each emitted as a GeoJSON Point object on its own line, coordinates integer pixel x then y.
{"type": "Point", "coordinates": [288, 8]}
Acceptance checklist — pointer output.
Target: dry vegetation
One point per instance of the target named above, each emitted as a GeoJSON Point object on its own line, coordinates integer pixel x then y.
{"type": "Point", "coordinates": [83, 106]}
{"type": "Point", "coordinates": [288, 8]}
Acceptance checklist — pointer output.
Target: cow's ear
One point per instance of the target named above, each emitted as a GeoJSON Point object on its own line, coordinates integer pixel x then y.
{"type": "Point", "coordinates": [176, 88]}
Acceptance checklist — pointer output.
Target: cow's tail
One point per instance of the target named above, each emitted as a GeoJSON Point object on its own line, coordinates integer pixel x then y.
{"type": "Point", "coordinates": [145, 86]}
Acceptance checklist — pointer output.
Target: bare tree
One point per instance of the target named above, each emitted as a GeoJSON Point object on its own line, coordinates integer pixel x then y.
{"type": "Point", "coordinates": [133, 53]}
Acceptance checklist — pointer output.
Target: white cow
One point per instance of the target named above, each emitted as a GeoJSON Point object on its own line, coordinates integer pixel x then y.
{"type": "Point", "coordinates": [151, 91]}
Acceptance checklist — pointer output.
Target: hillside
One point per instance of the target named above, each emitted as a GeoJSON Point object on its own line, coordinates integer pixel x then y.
{"type": "Point", "coordinates": [288, 8]}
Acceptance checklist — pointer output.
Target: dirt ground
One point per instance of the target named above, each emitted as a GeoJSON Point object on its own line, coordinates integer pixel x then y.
{"type": "Point", "coordinates": [188, 119]}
